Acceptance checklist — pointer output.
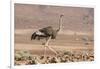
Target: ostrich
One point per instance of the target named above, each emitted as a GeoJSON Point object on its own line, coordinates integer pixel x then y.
{"type": "Point", "coordinates": [48, 33]}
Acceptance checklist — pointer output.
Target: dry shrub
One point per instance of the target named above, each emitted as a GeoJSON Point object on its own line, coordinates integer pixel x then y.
{"type": "Point", "coordinates": [67, 56]}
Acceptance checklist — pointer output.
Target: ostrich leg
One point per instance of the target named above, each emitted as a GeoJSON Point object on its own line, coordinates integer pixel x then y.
{"type": "Point", "coordinates": [44, 51]}
{"type": "Point", "coordinates": [46, 45]}
{"type": "Point", "coordinates": [52, 50]}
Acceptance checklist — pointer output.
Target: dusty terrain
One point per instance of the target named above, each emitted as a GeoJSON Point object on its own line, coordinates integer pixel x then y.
{"type": "Point", "coordinates": [74, 43]}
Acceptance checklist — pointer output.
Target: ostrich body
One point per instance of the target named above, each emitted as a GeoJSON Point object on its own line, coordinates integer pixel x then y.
{"type": "Point", "coordinates": [48, 33]}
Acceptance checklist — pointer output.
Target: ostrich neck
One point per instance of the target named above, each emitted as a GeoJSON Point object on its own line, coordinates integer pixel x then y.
{"type": "Point", "coordinates": [60, 24]}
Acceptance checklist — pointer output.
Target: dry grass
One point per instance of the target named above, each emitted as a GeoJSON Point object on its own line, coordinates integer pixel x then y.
{"type": "Point", "coordinates": [26, 58]}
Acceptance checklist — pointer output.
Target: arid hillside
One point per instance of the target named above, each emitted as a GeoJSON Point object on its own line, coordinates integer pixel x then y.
{"type": "Point", "coordinates": [29, 16]}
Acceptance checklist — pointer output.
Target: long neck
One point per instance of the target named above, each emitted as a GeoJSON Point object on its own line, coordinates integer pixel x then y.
{"type": "Point", "coordinates": [60, 23]}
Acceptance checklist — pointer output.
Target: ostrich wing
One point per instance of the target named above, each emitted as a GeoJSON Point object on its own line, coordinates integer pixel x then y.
{"type": "Point", "coordinates": [47, 30]}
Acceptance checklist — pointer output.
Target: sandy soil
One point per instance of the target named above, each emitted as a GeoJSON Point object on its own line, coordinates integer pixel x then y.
{"type": "Point", "coordinates": [61, 43]}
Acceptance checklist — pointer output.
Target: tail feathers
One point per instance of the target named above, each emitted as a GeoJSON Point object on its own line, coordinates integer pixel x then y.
{"type": "Point", "coordinates": [33, 36]}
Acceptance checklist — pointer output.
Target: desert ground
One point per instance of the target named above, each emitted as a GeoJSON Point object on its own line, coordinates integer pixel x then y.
{"type": "Point", "coordinates": [74, 43]}
{"type": "Point", "coordinates": [63, 44]}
